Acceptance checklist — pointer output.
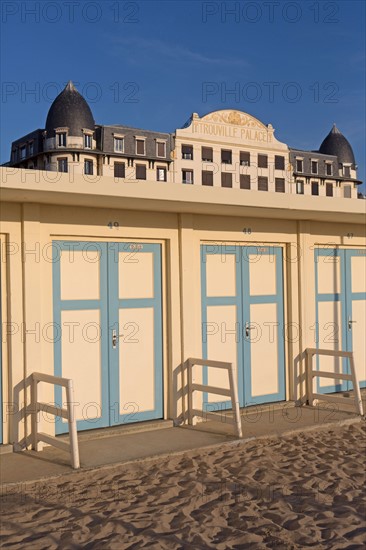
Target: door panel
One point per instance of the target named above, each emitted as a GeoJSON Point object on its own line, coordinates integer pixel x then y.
{"type": "Point", "coordinates": [355, 268]}
{"type": "Point", "coordinates": [263, 324]}
{"type": "Point", "coordinates": [136, 317]}
{"type": "Point", "coordinates": [80, 312]}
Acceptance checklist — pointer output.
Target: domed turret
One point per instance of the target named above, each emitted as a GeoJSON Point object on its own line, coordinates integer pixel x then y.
{"type": "Point", "coordinates": [336, 144]}
{"type": "Point", "coordinates": [70, 110]}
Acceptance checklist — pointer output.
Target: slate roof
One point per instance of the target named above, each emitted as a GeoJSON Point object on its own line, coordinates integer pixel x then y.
{"type": "Point", "coordinates": [336, 144]}
{"type": "Point", "coordinates": [70, 110]}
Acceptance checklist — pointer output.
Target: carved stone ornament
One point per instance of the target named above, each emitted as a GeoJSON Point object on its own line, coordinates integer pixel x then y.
{"type": "Point", "coordinates": [233, 117]}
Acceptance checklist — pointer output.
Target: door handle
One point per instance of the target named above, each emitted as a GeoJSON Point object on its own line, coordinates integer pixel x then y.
{"type": "Point", "coordinates": [115, 338]}
{"type": "Point", "coordinates": [247, 329]}
{"type": "Point", "coordinates": [350, 321]}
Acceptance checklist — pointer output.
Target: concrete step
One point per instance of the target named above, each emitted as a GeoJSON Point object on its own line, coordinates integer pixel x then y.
{"type": "Point", "coordinates": [116, 431]}
{"type": "Point", "coordinates": [5, 449]}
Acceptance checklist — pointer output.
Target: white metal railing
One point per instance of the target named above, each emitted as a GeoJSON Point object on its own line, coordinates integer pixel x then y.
{"type": "Point", "coordinates": [68, 414]}
{"type": "Point", "coordinates": [310, 374]}
{"type": "Point", "coordinates": [232, 392]}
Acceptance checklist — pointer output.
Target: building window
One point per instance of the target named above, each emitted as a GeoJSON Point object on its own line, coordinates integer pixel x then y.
{"type": "Point", "coordinates": [187, 176]}
{"type": "Point", "coordinates": [23, 152]}
{"type": "Point", "coordinates": [244, 158]}
{"type": "Point", "coordinates": [30, 148]}
{"type": "Point", "coordinates": [329, 169]}
{"type": "Point", "coordinates": [87, 141]}
{"type": "Point", "coordinates": [314, 188]}
{"type": "Point", "coordinates": [62, 165]}
{"type": "Point", "coordinates": [118, 145]}
{"type": "Point", "coordinates": [140, 171]}
{"type": "Point", "coordinates": [280, 185]}
{"type": "Point", "coordinates": [161, 149]}
{"type": "Point", "coordinates": [61, 139]}
{"type": "Point", "coordinates": [347, 191]}
{"type": "Point", "coordinates": [314, 166]}
{"type": "Point", "coordinates": [140, 146]}
{"type": "Point", "coordinates": [207, 154]}
{"type": "Point", "coordinates": [347, 171]}
{"type": "Point", "coordinates": [119, 170]}
{"type": "Point", "coordinates": [88, 167]}
{"type": "Point", "coordinates": [299, 165]}
{"type": "Point", "coordinates": [329, 190]}
{"type": "Point", "coordinates": [262, 161]}
{"type": "Point", "coordinates": [262, 183]}
{"type": "Point", "coordinates": [161, 173]}
{"type": "Point", "coordinates": [244, 181]}
{"type": "Point", "coordinates": [207, 177]}
{"type": "Point", "coordinates": [226, 156]}
{"type": "Point", "coordinates": [187, 152]}
{"type": "Point", "coordinates": [279, 162]}
{"type": "Point", "coordinates": [226, 179]}
{"type": "Point", "coordinates": [299, 187]}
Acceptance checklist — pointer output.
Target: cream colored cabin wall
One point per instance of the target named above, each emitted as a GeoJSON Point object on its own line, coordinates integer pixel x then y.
{"type": "Point", "coordinates": [181, 236]}
{"type": "Point", "coordinates": [13, 372]}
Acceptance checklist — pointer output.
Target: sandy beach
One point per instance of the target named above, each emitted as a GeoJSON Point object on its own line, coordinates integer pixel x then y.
{"type": "Point", "coordinates": [300, 491]}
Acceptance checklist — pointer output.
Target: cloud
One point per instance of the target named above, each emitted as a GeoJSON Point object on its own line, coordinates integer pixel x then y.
{"type": "Point", "coordinates": [177, 53]}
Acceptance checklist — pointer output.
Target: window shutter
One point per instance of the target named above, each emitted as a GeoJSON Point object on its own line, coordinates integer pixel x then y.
{"type": "Point", "coordinates": [262, 161]}
{"type": "Point", "coordinates": [244, 181]}
{"type": "Point", "coordinates": [262, 183]}
{"type": "Point", "coordinates": [226, 179]}
{"type": "Point", "coordinates": [119, 169]}
{"type": "Point", "coordinates": [279, 162]}
{"type": "Point", "coordinates": [207, 154]}
{"type": "Point", "coordinates": [280, 185]}
{"type": "Point", "coordinates": [140, 172]}
{"type": "Point", "coordinates": [244, 158]}
{"type": "Point", "coordinates": [207, 177]}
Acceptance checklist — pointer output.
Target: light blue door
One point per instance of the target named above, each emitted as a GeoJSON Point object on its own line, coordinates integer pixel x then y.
{"type": "Point", "coordinates": [108, 330]}
{"type": "Point", "coordinates": [242, 319]}
{"type": "Point", "coordinates": [340, 291]}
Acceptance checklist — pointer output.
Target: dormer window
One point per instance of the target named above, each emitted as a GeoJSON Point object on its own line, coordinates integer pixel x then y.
{"type": "Point", "coordinates": [88, 141]}
{"type": "Point", "coordinates": [299, 165]}
{"type": "Point", "coordinates": [23, 152]}
{"type": "Point", "coordinates": [347, 171]}
{"type": "Point", "coordinates": [140, 146]}
{"type": "Point", "coordinates": [329, 168]}
{"type": "Point", "coordinates": [30, 149]}
{"type": "Point", "coordinates": [161, 149]}
{"type": "Point", "coordinates": [118, 144]}
{"type": "Point", "coordinates": [61, 139]}
{"type": "Point", "coordinates": [314, 166]}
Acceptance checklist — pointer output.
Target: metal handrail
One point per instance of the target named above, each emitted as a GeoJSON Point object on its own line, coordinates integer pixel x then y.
{"type": "Point", "coordinates": [232, 392]}
{"type": "Point", "coordinates": [310, 374]}
{"type": "Point", "coordinates": [68, 414]}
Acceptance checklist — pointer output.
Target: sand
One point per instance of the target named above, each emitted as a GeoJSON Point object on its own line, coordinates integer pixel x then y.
{"type": "Point", "coordinates": [300, 491]}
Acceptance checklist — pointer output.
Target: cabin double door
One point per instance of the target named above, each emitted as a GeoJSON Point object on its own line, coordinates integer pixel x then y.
{"type": "Point", "coordinates": [243, 320]}
{"type": "Point", "coordinates": [107, 303]}
{"type": "Point", "coordinates": [340, 324]}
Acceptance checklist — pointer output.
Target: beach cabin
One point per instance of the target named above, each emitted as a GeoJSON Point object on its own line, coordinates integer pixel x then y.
{"type": "Point", "coordinates": [124, 257]}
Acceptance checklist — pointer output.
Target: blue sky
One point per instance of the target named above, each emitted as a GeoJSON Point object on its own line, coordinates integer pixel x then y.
{"type": "Point", "coordinates": [297, 65]}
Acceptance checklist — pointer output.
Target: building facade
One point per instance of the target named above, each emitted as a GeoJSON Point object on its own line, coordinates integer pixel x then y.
{"type": "Point", "coordinates": [226, 148]}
